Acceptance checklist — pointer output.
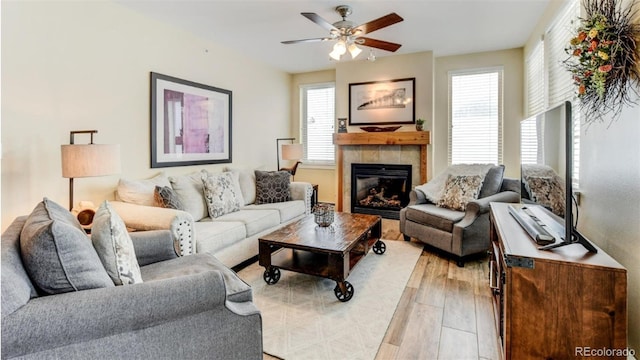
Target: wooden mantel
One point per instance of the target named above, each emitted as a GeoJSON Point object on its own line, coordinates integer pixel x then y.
{"type": "Point", "coordinates": [420, 138]}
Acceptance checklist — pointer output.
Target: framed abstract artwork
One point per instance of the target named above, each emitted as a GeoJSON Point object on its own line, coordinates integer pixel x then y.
{"type": "Point", "coordinates": [382, 102]}
{"type": "Point", "coordinates": [190, 123]}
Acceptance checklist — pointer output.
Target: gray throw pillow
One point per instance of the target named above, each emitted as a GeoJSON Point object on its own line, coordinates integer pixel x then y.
{"type": "Point", "coordinates": [272, 186]}
{"type": "Point", "coordinates": [58, 254]}
{"type": "Point", "coordinates": [492, 181]}
{"type": "Point", "coordinates": [165, 197]}
{"type": "Point", "coordinates": [114, 246]}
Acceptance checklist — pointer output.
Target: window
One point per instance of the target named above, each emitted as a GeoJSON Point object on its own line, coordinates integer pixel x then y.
{"type": "Point", "coordinates": [317, 123]}
{"type": "Point", "coordinates": [534, 69]}
{"type": "Point", "coordinates": [475, 116]}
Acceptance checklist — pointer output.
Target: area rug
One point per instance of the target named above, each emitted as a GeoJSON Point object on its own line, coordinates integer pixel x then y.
{"type": "Point", "coordinates": [302, 318]}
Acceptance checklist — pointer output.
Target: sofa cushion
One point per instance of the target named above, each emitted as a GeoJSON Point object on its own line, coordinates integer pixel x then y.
{"type": "Point", "coordinates": [272, 186]}
{"type": "Point", "coordinates": [247, 181]}
{"type": "Point", "coordinates": [114, 246]}
{"type": "Point", "coordinates": [222, 193]}
{"type": "Point", "coordinates": [58, 254]}
{"type": "Point", "coordinates": [288, 210]}
{"type": "Point", "coordinates": [140, 191]}
{"type": "Point", "coordinates": [16, 286]}
{"type": "Point", "coordinates": [434, 216]}
{"type": "Point", "coordinates": [216, 235]}
{"type": "Point", "coordinates": [492, 181]}
{"type": "Point", "coordinates": [190, 190]}
{"type": "Point", "coordinates": [459, 190]}
{"type": "Point", "coordinates": [255, 221]}
{"type": "Point", "coordinates": [167, 198]}
{"type": "Point", "coordinates": [237, 290]}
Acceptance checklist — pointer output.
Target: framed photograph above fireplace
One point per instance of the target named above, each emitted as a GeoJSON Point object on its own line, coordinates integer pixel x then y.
{"type": "Point", "coordinates": [190, 123]}
{"type": "Point", "coordinates": [382, 102]}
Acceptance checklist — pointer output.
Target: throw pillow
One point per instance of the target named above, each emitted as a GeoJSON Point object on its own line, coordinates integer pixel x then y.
{"type": "Point", "coordinates": [58, 254]}
{"type": "Point", "coordinates": [114, 246]}
{"type": "Point", "coordinates": [167, 198]}
{"type": "Point", "coordinates": [459, 190]}
{"type": "Point", "coordinates": [492, 181]}
{"type": "Point", "coordinates": [272, 186]}
{"type": "Point", "coordinates": [222, 193]}
{"type": "Point", "coordinates": [434, 189]}
{"type": "Point", "coordinates": [247, 180]}
{"type": "Point", "coordinates": [140, 191]}
{"type": "Point", "coordinates": [190, 190]}
{"type": "Point", "coordinates": [547, 191]}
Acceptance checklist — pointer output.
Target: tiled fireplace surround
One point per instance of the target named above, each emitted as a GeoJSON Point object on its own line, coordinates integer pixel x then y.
{"type": "Point", "coordinates": [409, 147]}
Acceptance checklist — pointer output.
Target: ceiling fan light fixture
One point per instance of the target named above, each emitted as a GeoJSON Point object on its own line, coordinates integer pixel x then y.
{"type": "Point", "coordinates": [335, 56]}
{"type": "Point", "coordinates": [354, 50]}
{"type": "Point", "coordinates": [340, 48]}
{"type": "Point", "coordinates": [372, 56]}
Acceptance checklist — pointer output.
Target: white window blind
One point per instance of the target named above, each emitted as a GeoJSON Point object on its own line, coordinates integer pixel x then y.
{"type": "Point", "coordinates": [534, 69]}
{"type": "Point", "coordinates": [529, 141]}
{"type": "Point", "coordinates": [560, 83]}
{"type": "Point", "coordinates": [317, 123]}
{"type": "Point", "coordinates": [475, 116]}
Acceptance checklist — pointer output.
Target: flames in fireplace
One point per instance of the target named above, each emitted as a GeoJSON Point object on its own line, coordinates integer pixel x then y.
{"type": "Point", "coordinates": [380, 189]}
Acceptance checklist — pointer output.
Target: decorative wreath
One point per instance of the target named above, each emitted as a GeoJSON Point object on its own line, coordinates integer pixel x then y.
{"type": "Point", "coordinates": [604, 59]}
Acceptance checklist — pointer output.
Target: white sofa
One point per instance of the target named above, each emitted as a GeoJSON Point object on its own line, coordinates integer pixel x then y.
{"type": "Point", "coordinates": [232, 238]}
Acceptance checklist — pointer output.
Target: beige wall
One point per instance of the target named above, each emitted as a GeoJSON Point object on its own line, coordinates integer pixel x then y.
{"type": "Point", "coordinates": [512, 63]}
{"type": "Point", "coordinates": [85, 65]}
{"type": "Point", "coordinates": [610, 195]}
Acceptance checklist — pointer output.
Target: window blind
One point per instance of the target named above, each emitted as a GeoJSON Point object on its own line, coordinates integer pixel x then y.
{"type": "Point", "coordinates": [561, 86]}
{"type": "Point", "coordinates": [534, 69]}
{"type": "Point", "coordinates": [475, 116]}
{"type": "Point", "coordinates": [317, 123]}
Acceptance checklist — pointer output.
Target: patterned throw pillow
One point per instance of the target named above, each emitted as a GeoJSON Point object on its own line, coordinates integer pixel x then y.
{"type": "Point", "coordinates": [222, 193]}
{"type": "Point", "coordinates": [167, 198]}
{"type": "Point", "coordinates": [272, 186]}
{"type": "Point", "coordinates": [459, 190]}
{"type": "Point", "coordinates": [547, 191]}
{"type": "Point", "coordinates": [114, 246]}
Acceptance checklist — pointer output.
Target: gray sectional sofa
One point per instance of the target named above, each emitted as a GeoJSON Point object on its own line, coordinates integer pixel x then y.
{"type": "Point", "coordinates": [232, 238]}
{"type": "Point", "coordinates": [190, 307]}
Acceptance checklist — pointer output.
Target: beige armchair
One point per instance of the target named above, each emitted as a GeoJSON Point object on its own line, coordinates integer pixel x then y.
{"type": "Point", "coordinates": [460, 233]}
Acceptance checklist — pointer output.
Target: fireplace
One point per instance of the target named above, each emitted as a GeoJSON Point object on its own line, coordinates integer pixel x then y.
{"type": "Point", "coordinates": [380, 189]}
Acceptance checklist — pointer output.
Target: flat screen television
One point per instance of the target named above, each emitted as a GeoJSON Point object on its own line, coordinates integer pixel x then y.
{"type": "Point", "coordinates": [546, 155]}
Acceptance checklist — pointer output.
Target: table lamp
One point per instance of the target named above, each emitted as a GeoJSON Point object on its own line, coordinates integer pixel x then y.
{"type": "Point", "coordinates": [88, 160]}
{"type": "Point", "coordinates": [289, 152]}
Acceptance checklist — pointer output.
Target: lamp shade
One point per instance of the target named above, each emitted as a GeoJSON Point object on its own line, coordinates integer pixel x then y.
{"type": "Point", "coordinates": [292, 151]}
{"type": "Point", "coordinates": [90, 160]}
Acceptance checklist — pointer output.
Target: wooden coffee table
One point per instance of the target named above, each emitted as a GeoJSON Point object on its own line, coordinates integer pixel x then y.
{"type": "Point", "coordinates": [329, 252]}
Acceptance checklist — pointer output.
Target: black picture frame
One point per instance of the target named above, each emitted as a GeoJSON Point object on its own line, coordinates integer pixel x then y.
{"type": "Point", "coordinates": [190, 123]}
{"type": "Point", "coordinates": [382, 102]}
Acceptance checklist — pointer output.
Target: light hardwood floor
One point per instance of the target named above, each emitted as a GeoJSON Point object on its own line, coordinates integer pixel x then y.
{"type": "Point", "coordinates": [445, 311]}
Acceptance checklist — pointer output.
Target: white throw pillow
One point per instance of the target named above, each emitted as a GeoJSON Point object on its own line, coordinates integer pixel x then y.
{"type": "Point", "coordinates": [140, 191]}
{"type": "Point", "coordinates": [114, 246]}
{"type": "Point", "coordinates": [222, 193]}
{"type": "Point", "coordinates": [190, 190]}
{"type": "Point", "coordinates": [434, 189]}
{"type": "Point", "coordinates": [247, 181]}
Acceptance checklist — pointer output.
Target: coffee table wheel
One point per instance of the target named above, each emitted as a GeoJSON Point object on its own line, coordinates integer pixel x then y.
{"type": "Point", "coordinates": [271, 275]}
{"type": "Point", "coordinates": [379, 247]}
{"type": "Point", "coordinates": [344, 296]}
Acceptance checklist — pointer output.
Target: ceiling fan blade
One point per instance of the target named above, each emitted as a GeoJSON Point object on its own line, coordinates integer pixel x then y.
{"type": "Point", "coordinates": [380, 44]}
{"type": "Point", "coordinates": [319, 20]}
{"type": "Point", "coordinates": [305, 40]}
{"type": "Point", "coordinates": [379, 23]}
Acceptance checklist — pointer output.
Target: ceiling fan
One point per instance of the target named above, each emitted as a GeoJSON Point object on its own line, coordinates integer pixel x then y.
{"type": "Point", "coordinates": [348, 35]}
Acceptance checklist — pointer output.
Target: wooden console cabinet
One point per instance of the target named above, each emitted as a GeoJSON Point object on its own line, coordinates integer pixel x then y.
{"type": "Point", "coordinates": [553, 304]}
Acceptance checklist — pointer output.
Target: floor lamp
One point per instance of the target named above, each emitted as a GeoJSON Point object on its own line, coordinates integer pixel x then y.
{"type": "Point", "coordinates": [289, 152]}
{"type": "Point", "coordinates": [88, 160]}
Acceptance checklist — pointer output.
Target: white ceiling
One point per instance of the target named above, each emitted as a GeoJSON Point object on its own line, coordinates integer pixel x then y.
{"type": "Point", "coordinates": [256, 27]}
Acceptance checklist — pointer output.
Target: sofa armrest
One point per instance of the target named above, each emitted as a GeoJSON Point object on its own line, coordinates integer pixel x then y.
{"type": "Point", "coordinates": [302, 191]}
{"type": "Point", "coordinates": [477, 207]}
{"type": "Point", "coordinates": [153, 246]}
{"type": "Point", "coordinates": [57, 320]}
{"type": "Point", "coordinates": [417, 197]}
{"type": "Point", "coordinates": [180, 223]}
